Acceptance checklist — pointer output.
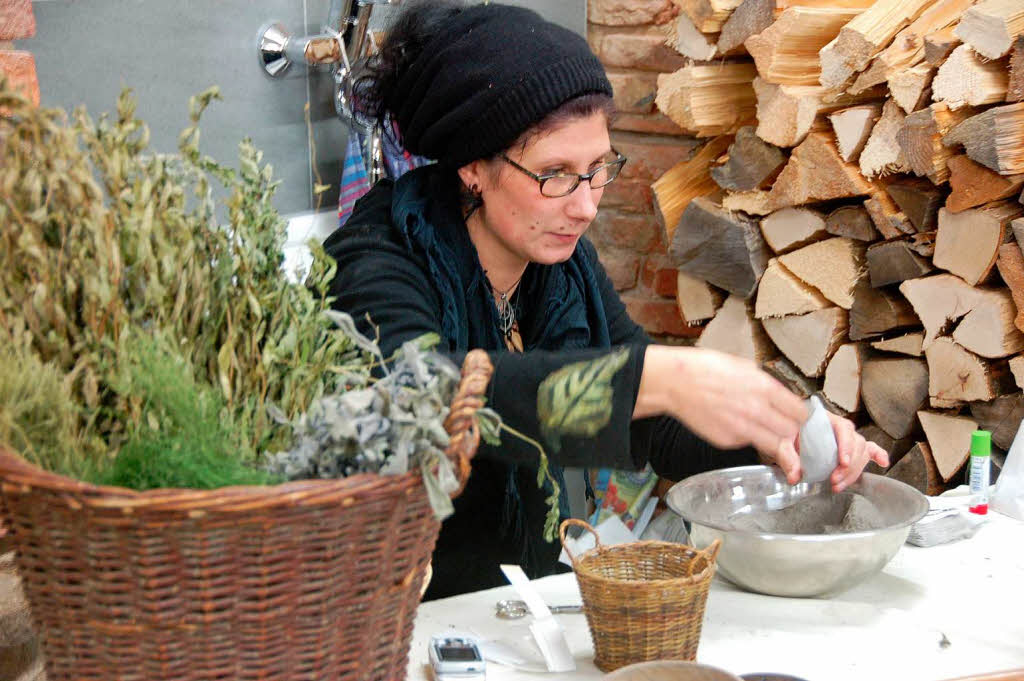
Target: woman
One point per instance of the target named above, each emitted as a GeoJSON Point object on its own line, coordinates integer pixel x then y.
{"type": "Point", "coordinates": [486, 249]}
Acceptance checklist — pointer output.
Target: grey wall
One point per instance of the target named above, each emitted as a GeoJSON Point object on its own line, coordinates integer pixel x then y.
{"type": "Point", "coordinates": [86, 52]}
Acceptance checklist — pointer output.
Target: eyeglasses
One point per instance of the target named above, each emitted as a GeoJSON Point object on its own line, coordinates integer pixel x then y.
{"type": "Point", "coordinates": [554, 185]}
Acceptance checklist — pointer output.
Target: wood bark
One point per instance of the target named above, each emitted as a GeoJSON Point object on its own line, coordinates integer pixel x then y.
{"type": "Point", "coordinates": [949, 438]}
{"type": "Point", "coordinates": [709, 99]}
{"type": "Point", "coordinates": [1015, 87]}
{"type": "Point", "coordinates": [723, 248]}
{"type": "Point", "coordinates": [1011, 269]}
{"type": "Point", "coordinates": [815, 172]}
{"type": "Point", "coordinates": [974, 185]}
{"type": "Point", "coordinates": [891, 262]}
{"type": "Point", "coordinates": [876, 312]}
{"type": "Point", "coordinates": [833, 267]}
{"type": "Point", "coordinates": [968, 242]}
{"type": "Point", "coordinates": [853, 127]}
{"type": "Point", "coordinates": [809, 340]}
{"type": "Point", "coordinates": [1001, 417]}
{"type": "Point", "coordinates": [938, 45]}
{"type": "Point", "coordinates": [843, 376]}
{"type": "Point", "coordinates": [752, 163]}
{"type": "Point", "coordinates": [919, 200]}
{"type": "Point", "coordinates": [684, 182]}
{"type": "Point", "coordinates": [889, 220]}
{"type": "Point", "coordinates": [750, 18]}
{"type": "Point", "coordinates": [994, 138]}
{"type": "Point", "coordinates": [990, 26]}
{"type": "Point", "coordinates": [917, 469]}
{"type": "Point", "coordinates": [698, 300]}
{"type": "Point", "coordinates": [966, 79]}
{"type": "Point", "coordinates": [894, 448]}
{"type": "Point", "coordinates": [893, 391]}
{"type": "Point", "coordinates": [735, 331]}
{"type": "Point", "coordinates": [852, 222]}
{"type": "Point", "coordinates": [787, 374]}
{"type": "Point", "coordinates": [780, 293]}
{"type": "Point", "coordinates": [921, 140]}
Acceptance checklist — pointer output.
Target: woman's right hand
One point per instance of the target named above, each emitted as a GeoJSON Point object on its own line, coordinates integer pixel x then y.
{"type": "Point", "coordinates": [728, 401]}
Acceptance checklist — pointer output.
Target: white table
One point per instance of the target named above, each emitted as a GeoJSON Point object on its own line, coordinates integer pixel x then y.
{"type": "Point", "coordinates": [894, 627]}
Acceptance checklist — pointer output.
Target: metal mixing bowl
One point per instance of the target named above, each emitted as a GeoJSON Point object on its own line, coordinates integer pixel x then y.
{"type": "Point", "coordinates": [792, 564]}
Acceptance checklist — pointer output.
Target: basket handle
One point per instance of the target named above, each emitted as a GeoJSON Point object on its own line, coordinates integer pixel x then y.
{"type": "Point", "coordinates": [461, 425]}
{"type": "Point", "coordinates": [564, 528]}
{"type": "Point", "coordinates": [707, 556]}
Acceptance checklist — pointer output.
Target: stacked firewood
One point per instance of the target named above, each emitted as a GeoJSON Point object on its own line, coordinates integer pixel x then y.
{"type": "Point", "coordinates": [854, 221]}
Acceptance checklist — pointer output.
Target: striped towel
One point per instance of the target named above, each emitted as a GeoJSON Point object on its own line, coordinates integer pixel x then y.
{"type": "Point", "coordinates": [354, 180]}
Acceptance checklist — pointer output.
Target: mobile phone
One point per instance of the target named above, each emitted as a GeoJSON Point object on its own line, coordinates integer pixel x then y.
{"type": "Point", "coordinates": [454, 653]}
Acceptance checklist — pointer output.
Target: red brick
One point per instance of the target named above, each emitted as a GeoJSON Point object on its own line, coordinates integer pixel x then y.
{"type": "Point", "coordinates": [630, 12]}
{"type": "Point", "coordinates": [654, 123]}
{"type": "Point", "coordinates": [660, 275]}
{"type": "Point", "coordinates": [633, 231]}
{"type": "Point", "coordinates": [20, 69]}
{"type": "Point", "coordinates": [634, 90]}
{"type": "Point", "coordinates": [643, 49]}
{"type": "Point", "coordinates": [635, 196]}
{"type": "Point", "coordinates": [622, 267]}
{"type": "Point", "coordinates": [651, 155]}
{"type": "Point", "coordinates": [657, 315]}
{"type": "Point", "coordinates": [16, 20]}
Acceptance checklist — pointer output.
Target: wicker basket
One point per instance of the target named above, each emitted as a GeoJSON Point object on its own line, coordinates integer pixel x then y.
{"type": "Point", "coordinates": [308, 580]}
{"type": "Point", "coordinates": [643, 601]}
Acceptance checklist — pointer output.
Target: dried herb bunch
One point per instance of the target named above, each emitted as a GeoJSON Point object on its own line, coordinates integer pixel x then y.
{"type": "Point", "coordinates": [101, 236]}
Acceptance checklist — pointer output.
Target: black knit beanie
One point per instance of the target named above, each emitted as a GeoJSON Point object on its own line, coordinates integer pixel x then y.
{"type": "Point", "coordinates": [488, 75]}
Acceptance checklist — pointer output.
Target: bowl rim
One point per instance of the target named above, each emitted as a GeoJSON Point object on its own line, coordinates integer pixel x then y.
{"type": "Point", "coordinates": [921, 499]}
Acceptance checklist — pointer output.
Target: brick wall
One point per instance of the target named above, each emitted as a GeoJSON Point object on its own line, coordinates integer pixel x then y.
{"type": "Point", "coordinates": [629, 37]}
{"type": "Point", "coordinates": [16, 23]}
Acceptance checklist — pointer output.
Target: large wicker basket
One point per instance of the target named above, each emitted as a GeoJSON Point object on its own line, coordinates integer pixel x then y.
{"type": "Point", "coordinates": [308, 580]}
{"type": "Point", "coordinates": [643, 601]}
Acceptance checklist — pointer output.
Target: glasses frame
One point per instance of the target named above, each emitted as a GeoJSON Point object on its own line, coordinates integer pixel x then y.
{"type": "Point", "coordinates": [542, 179]}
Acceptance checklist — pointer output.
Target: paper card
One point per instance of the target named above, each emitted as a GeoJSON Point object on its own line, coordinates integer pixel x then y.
{"type": "Point", "coordinates": [547, 632]}
{"type": "Point", "coordinates": [611, 531]}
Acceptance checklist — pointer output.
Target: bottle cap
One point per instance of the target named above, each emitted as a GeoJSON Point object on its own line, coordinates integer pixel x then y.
{"type": "Point", "coordinates": [981, 443]}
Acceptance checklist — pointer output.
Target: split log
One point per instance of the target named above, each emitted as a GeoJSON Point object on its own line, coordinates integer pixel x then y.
{"type": "Point", "coordinates": [991, 25]}
{"type": "Point", "coordinates": [842, 377]}
{"type": "Point", "coordinates": [787, 51]}
{"type": "Point", "coordinates": [876, 312]}
{"type": "Point", "coordinates": [882, 155]}
{"type": "Point", "coordinates": [852, 222]}
{"type": "Point", "coordinates": [852, 4]}
{"type": "Point", "coordinates": [833, 266]}
{"type": "Point", "coordinates": [864, 37]}
{"type": "Point", "coordinates": [966, 79]}
{"type": "Point", "coordinates": [939, 45]}
{"type": "Point", "coordinates": [723, 248]}
{"type": "Point", "coordinates": [908, 344]}
{"type": "Point", "coordinates": [787, 113]}
{"type": "Point", "coordinates": [815, 172]}
{"type": "Point", "coordinates": [788, 375]}
{"type": "Point", "coordinates": [1017, 369]}
{"type": "Point", "coordinates": [754, 202]}
{"type": "Point", "coordinates": [919, 200]}
{"type": "Point", "coordinates": [735, 331]}
{"type": "Point", "coordinates": [984, 315]}
{"type": "Point", "coordinates": [791, 228]}
{"type": "Point", "coordinates": [809, 340]}
{"type": "Point", "coordinates": [889, 220]}
{"type": "Point", "coordinates": [1002, 417]}
{"type": "Point", "coordinates": [750, 18]}
{"type": "Point", "coordinates": [921, 140]}
{"type": "Point", "coordinates": [894, 448]}
{"type": "Point", "coordinates": [684, 182]}
{"type": "Point", "coordinates": [973, 184]}
{"type": "Point", "coordinates": [949, 438]}
{"type": "Point", "coordinates": [968, 242]}
{"type": "Point", "coordinates": [688, 41]}
{"type": "Point", "coordinates": [906, 51]}
{"type": "Point", "coordinates": [911, 88]}
{"type": "Point", "coordinates": [917, 469]}
{"type": "Point", "coordinates": [995, 138]}
{"type": "Point", "coordinates": [708, 15]}
{"type": "Point", "coordinates": [893, 391]}
{"type": "Point", "coordinates": [780, 293]}
{"type": "Point", "coordinates": [1015, 87]}
{"type": "Point", "coordinates": [853, 127]}
{"type": "Point", "coordinates": [709, 99]}
{"type": "Point", "coordinates": [1011, 269]}
{"type": "Point", "coordinates": [1018, 228]}
{"type": "Point", "coordinates": [891, 262]}
{"type": "Point", "coordinates": [697, 299]}
{"type": "Point", "coordinates": [956, 375]}
{"type": "Point", "coordinates": [752, 164]}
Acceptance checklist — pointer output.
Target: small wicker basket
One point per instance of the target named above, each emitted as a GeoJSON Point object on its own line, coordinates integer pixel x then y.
{"type": "Point", "coordinates": [643, 601]}
{"type": "Point", "coordinates": [304, 581]}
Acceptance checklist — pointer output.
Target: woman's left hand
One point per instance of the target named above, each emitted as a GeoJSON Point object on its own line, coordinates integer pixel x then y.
{"type": "Point", "coordinates": [854, 453]}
